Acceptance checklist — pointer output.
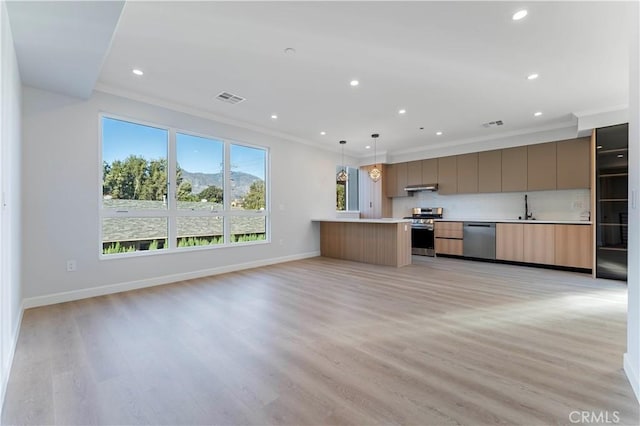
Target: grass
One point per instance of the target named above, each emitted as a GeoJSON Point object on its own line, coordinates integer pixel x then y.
{"type": "Point", "coordinates": [140, 245]}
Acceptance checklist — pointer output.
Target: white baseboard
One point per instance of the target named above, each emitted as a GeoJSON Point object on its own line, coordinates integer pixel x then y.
{"type": "Point", "coordinates": [85, 293]}
{"type": "Point", "coordinates": [632, 375]}
{"type": "Point", "coordinates": [12, 352]}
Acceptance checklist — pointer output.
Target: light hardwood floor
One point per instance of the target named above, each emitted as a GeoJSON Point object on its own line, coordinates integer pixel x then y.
{"type": "Point", "coordinates": [324, 342]}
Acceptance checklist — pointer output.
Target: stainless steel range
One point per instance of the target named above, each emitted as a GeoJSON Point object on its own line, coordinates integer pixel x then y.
{"type": "Point", "coordinates": [422, 238]}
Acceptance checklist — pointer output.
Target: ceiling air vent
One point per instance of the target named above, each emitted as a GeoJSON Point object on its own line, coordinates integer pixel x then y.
{"type": "Point", "coordinates": [229, 98]}
{"type": "Point", "coordinates": [493, 123]}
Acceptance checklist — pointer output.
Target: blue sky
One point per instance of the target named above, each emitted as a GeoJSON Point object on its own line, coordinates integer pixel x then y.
{"type": "Point", "coordinates": [120, 139]}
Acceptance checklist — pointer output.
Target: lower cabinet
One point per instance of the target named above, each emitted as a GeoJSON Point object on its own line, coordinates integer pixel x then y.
{"type": "Point", "coordinates": [448, 238]}
{"type": "Point", "coordinates": [539, 243]}
{"type": "Point", "coordinates": [574, 246]}
{"type": "Point", "coordinates": [510, 241]}
{"type": "Point", "coordinates": [547, 244]}
{"type": "Point", "coordinates": [449, 246]}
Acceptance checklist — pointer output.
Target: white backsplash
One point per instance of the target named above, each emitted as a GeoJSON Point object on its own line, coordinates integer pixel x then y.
{"type": "Point", "coordinates": [573, 204]}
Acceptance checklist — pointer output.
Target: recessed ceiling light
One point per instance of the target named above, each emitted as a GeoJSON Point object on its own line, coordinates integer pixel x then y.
{"type": "Point", "coordinates": [136, 71]}
{"type": "Point", "coordinates": [354, 82]}
{"type": "Point", "coordinates": [273, 116]}
{"type": "Point", "coordinates": [438, 133]}
{"type": "Point", "coordinates": [367, 147]}
{"type": "Point", "coordinates": [599, 147]}
{"type": "Point", "coordinates": [532, 76]}
{"type": "Point", "coordinates": [620, 155]}
{"type": "Point", "coordinates": [537, 114]}
{"type": "Point", "coordinates": [323, 133]}
{"type": "Point", "coordinates": [402, 111]}
{"type": "Point", "coordinates": [519, 15]}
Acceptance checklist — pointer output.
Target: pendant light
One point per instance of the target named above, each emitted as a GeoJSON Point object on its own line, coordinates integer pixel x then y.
{"type": "Point", "coordinates": [341, 177]}
{"type": "Point", "coordinates": [375, 173]}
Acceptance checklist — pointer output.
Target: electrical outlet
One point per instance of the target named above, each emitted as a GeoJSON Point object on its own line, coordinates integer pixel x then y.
{"type": "Point", "coordinates": [71, 266]}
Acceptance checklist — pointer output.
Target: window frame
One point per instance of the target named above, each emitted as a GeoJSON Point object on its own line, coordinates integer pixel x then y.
{"type": "Point", "coordinates": [171, 213]}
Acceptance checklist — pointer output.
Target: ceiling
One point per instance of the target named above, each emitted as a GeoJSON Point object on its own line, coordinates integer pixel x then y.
{"type": "Point", "coordinates": [451, 65]}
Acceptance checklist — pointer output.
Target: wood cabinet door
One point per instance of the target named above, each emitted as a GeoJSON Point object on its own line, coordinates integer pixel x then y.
{"type": "Point", "coordinates": [514, 169]}
{"type": "Point", "coordinates": [401, 179]}
{"type": "Point", "coordinates": [539, 243]}
{"type": "Point", "coordinates": [574, 246]}
{"type": "Point", "coordinates": [541, 167]}
{"type": "Point", "coordinates": [447, 175]}
{"type": "Point", "coordinates": [449, 246]}
{"type": "Point", "coordinates": [448, 230]}
{"type": "Point", "coordinates": [573, 163]}
{"type": "Point", "coordinates": [510, 241]}
{"type": "Point", "coordinates": [467, 169]}
{"type": "Point", "coordinates": [391, 180]}
{"type": "Point", "coordinates": [430, 171]}
{"type": "Point", "coordinates": [414, 172]}
{"type": "Point", "coordinates": [490, 171]}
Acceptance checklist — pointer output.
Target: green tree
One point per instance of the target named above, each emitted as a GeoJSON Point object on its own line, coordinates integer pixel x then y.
{"type": "Point", "coordinates": [135, 178]}
{"type": "Point", "coordinates": [106, 170]}
{"type": "Point", "coordinates": [212, 194]}
{"type": "Point", "coordinates": [255, 199]}
{"type": "Point", "coordinates": [341, 196]}
{"type": "Point", "coordinates": [184, 192]}
{"type": "Point", "coordinates": [154, 184]}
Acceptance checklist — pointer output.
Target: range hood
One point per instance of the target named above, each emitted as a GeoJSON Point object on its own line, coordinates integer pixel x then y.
{"type": "Point", "coordinates": [423, 187]}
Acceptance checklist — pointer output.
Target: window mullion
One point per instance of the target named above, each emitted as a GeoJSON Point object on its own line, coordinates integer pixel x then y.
{"type": "Point", "coordinates": [172, 189]}
{"type": "Point", "coordinates": [226, 199]}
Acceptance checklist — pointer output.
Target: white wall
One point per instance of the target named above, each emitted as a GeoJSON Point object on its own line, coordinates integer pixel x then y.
{"type": "Point", "coordinates": [632, 357]}
{"type": "Point", "coordinates": [10, 291]}
{"type": "Point", "coordinates": [61, 193]}
{"type": "Point", "coordinates": [545, 205]}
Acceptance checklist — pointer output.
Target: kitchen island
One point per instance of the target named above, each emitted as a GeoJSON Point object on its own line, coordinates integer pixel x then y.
{"type": "Point", "coordinates": [384, 241]}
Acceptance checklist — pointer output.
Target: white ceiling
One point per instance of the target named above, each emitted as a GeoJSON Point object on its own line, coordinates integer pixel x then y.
{"type": "Point", "coordinates": [451, 65]}
{"type": "Point", "coordinates": [61, 46]}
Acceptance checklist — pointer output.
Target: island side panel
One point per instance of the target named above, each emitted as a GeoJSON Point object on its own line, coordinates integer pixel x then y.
{"type": "Point", "coordinates": [404, 244]}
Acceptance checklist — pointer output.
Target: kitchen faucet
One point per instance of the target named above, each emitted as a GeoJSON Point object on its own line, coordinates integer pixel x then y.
{"type": "Point", "coordinates": [527, 215]}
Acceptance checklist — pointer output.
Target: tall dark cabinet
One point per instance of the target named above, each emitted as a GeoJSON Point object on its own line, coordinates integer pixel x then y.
{"type": "Point", "coordinates": [612, 177]}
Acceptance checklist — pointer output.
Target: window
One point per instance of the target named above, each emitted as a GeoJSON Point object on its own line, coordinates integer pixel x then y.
{"type": "Point", "coordinates": [347, 192]}
{"type": "Point", "coordinates": [217, 196]}
{"type": "Point", "coordinates": [200, 191]}
{"type": "Point", "coordinates": [134, 187]}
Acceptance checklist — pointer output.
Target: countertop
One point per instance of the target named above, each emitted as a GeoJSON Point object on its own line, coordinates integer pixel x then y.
{"type": "Point", "coordinates": [347, 220]}
{"type": "Point", "coordinates": [560, 222]}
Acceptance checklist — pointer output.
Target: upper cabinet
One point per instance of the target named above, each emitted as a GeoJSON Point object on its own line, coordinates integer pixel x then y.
{"type": "Point", "coordinates": [573, 161]}
{"type": "Point", "coordinates": [392, 179]}
{"type": "Point", "coordinates": [396, 180]}
{"type": "Point", "coordinates": [490, 171]}
{"type": "Point", "coordinates": [514, 169]}
{"type": "Point", "coordinates": [467, 173]}
{"type": "Point", "coordinates": [414, 172]}
{"type": "Point", "coordinates": [401, 179]}
{"type": "Point", "coordinates": [541, 167]}
{"type": "Point", "coordinates": [448, 175]}
{"type": "Point", "coordinates": [430, 171]}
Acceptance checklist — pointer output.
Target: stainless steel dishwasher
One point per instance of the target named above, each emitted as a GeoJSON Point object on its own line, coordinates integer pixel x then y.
{"type": "Point", "coordinates": [479, 240]}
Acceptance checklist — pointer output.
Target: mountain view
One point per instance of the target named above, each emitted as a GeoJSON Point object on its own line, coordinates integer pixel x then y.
{"type": "Point", "coordinates": [240, 182]}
